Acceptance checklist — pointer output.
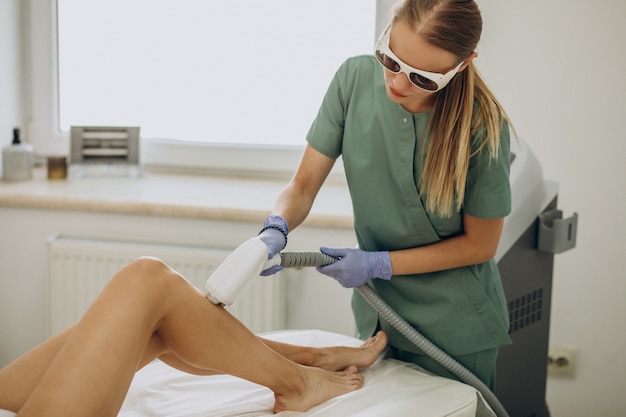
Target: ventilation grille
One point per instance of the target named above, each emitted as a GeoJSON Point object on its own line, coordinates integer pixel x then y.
{"type": "Point", "coordinates": [104, 145]}
{"type": "Point", "coordinates": [525, 310]}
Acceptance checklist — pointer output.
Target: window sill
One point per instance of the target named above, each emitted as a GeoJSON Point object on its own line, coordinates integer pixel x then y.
{"type": "Point", "coordinates": [172, 195]}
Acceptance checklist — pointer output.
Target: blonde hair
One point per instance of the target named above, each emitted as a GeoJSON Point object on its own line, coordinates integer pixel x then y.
{"type": "Point", "coordinates": [464, 107]}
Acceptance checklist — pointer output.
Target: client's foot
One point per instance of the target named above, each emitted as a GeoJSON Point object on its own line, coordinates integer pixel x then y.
{"type": "Point", "coordinates": [317, 386]}
{"type": "Point", "coordinates": [339, 357]}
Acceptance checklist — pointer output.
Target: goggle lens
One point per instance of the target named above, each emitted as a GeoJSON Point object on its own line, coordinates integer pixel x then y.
{"type": "Point", "coordinates": [388, 62]}
{"type": "Point", "coordinates": [423, 82]}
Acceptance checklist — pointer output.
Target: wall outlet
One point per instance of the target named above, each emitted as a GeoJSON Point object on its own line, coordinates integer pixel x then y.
{"type": "Point", "coordinates": [561, 361]}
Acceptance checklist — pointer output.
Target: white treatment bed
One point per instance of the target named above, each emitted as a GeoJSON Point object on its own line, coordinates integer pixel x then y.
{"type": "Point", "coordinates": [392, 388]}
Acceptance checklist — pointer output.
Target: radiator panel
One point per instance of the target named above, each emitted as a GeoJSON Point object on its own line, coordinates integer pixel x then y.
{"type": "Point", "coordinates": [78, 269]}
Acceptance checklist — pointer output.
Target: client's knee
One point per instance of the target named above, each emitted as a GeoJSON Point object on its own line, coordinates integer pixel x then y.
{"type": "Point", "coordinates": [148, 266]}
{"type": "Point", "coordinates": [150, 273]}
{"type": "Point", "coordinates": [149, 263]}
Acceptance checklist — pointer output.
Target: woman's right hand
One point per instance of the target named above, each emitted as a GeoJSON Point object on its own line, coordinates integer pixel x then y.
{"type": "Point", "coordinates": [274, 235]}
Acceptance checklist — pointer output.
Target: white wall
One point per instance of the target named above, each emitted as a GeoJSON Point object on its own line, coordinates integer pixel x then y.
{"type": "Point", "coordinates": [559, 69]}
{"type": "Point", "coordinates": [10, 80]}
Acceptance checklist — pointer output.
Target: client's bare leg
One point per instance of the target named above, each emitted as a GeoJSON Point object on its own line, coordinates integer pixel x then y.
{"type": "Point", "coordinates": [333, 358]}
{"type": "Point", "coordinates": [148, 308]}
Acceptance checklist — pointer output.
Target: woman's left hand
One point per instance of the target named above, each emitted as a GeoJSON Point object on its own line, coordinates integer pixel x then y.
{"type": "Point", "coordinates": [355, 267]}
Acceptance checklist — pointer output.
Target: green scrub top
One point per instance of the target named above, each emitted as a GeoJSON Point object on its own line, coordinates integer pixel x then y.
{"type": "Point", "coordinates": [462, 310]}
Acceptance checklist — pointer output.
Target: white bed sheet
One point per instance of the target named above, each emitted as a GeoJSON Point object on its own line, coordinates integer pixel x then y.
{"type": "Point", "coordinates": [392, 388]}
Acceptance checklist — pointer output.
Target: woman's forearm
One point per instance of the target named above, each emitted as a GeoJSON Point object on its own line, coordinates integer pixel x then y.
{"type": "Point", "coordinates": [295, 201]}
{"type": "Point", "coordinates": [293, 204]}
{"type": "Point", "coordinates": [477, 245]}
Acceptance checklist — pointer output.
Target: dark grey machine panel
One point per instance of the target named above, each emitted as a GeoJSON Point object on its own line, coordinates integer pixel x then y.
{"type": "Point", "coordinates": [522, 366]}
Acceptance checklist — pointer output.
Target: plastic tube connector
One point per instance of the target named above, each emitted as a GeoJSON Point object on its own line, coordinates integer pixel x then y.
{"type": "Point", "coordinates": [300, 259]}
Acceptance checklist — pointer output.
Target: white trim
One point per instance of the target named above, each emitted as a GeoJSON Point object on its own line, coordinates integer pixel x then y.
{"type": "Point", "coordinates": [383, 15]}
{"type": "Point", "coordinates": [40, 54]}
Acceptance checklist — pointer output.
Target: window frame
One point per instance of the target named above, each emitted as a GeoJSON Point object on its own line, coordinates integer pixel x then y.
{"type": "Point", "coordinates": [41, 101]}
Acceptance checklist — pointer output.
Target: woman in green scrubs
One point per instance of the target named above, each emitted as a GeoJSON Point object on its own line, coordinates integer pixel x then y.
{"type": "Point", "coordinates": [425, 146]}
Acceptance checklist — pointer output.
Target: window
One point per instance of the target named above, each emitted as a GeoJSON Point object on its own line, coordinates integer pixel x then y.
{"type": "Point", "coordinates": [210, 83]}
{"type": "Point", "coordinates": [249, 71]}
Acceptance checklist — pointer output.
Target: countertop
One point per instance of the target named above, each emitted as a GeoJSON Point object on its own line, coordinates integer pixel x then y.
{"type": "Point", "coordinates": [171, 195]}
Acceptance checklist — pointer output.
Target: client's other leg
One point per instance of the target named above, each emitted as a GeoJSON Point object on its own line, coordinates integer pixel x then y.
{"type": "Point", "coordinates": [146, 300]}
{"type": "Point", "coordinates": [19, 378]}
{"type": "Point", "coordinates": [333, 358]}
{"type": "Point", "coordinates": [330, 358]}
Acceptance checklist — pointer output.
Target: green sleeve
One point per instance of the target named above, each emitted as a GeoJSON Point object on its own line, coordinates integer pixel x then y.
{"type": "Point", "coordinates": [488, 190]}
{"type": "Point", "coordinates": [326, 132]}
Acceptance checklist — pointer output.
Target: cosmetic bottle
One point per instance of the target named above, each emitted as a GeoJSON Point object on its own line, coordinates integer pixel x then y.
{"type": "Point", "coordinates": [17, 160]}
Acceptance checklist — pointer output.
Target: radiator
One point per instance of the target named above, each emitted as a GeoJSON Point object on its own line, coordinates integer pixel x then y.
{"type": "Point", "coordinates": [78, 269]}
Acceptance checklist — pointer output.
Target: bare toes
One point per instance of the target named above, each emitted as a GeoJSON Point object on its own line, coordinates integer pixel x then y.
{"type": "Point", "coordinates": [379, 338]}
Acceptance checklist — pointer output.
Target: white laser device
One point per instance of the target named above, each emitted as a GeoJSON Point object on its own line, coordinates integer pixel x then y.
{"type": "Point", "coordinates": [239, 270]}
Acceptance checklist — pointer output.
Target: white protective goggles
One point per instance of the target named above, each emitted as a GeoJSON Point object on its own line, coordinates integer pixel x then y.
{"type": "Point", "coordinates": [425, 80]}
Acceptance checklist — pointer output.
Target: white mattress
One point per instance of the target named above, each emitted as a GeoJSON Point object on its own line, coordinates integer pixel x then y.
{"type": "Point", "coordinates": [392, 388]}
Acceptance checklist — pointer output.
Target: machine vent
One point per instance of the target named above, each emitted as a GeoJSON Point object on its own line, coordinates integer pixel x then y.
{"type": "Point", "coordinates": [525, 310]}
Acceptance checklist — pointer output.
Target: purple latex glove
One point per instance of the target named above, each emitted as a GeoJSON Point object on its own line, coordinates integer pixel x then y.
{"type": "Point", "coordinates": [356, 267]}
{"type": "Point", "coordinates": [274, 235]}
